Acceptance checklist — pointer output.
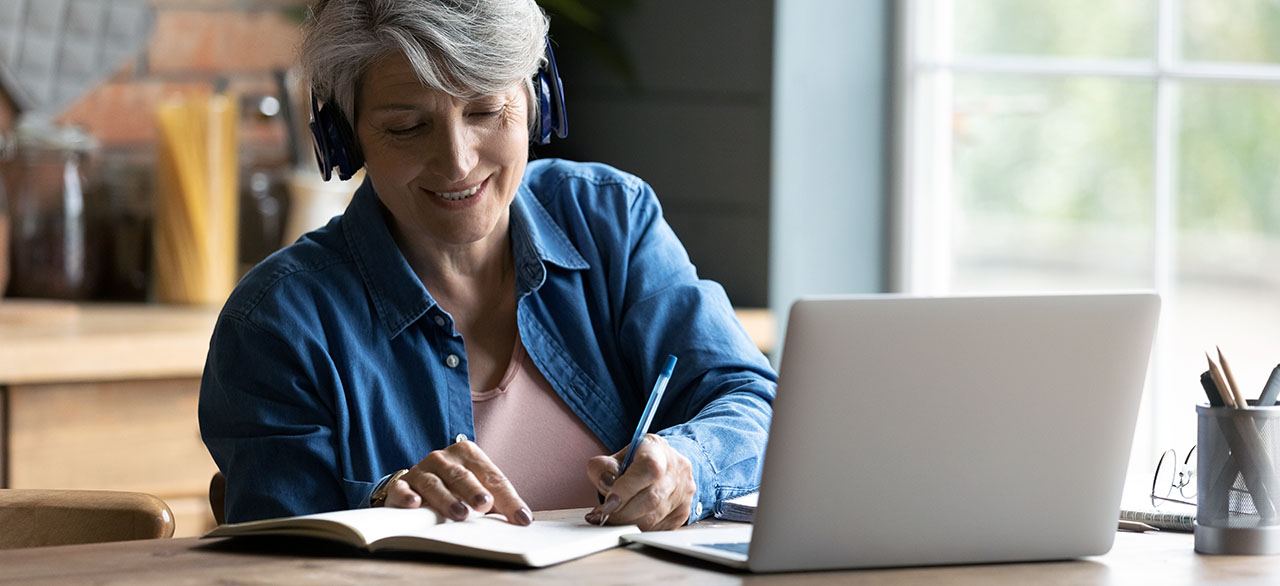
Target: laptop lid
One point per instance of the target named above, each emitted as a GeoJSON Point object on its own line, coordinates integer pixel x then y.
{"type": "Point", "coordinates": [919, 431]}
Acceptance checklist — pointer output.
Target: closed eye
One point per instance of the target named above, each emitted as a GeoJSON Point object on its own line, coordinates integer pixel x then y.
{"type": "Point", "coordinates": [405, 131]}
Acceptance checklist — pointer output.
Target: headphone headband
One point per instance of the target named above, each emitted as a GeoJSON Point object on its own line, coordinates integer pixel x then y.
{"type": "Point", "coordinates": [334, 143]}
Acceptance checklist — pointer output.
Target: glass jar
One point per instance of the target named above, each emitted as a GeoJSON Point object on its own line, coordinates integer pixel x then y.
{"type": "Point", "coordinates": [50, 240]}
{"type": "Point", "coordinates": [120, 210]}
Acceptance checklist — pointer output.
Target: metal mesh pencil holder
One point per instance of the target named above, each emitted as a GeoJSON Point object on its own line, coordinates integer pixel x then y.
{"type": "Point", "coordinates": [1238, 480]}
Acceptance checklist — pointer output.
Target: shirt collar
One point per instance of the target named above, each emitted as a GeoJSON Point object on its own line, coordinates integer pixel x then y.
{"type": "Point", "coordinates": [536, 237]}
{"type": "Point", "coordinates": [398, 296]}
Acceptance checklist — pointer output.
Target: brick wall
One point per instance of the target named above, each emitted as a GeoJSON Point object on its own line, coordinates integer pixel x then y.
{"type": "Point", "coordinates": [196, 45]}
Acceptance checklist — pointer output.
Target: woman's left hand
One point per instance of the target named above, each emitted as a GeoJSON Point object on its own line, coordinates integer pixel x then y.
{"type": "Point", "coordinates": [655, 493]}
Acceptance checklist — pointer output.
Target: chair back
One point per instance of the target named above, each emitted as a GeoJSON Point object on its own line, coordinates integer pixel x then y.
{"type": "Point", "coordinates": [218, 497]}
{"type": "Point", "coordinates": [39, 517]}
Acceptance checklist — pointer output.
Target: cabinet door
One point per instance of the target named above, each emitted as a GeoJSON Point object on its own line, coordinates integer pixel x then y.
{"type": "Point", "coordinates": [133, 435]}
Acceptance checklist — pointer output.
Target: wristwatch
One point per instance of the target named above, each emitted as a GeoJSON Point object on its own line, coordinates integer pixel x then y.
{"type": "Point", "coordinates": [379, 496]}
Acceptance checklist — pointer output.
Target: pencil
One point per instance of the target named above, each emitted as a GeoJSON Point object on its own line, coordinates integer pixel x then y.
{"type": "Point", "coordinates": [1227, 396]}
{"type": "Point", "coordinates": [1231, 379]}
{"type": "Point", "coordinates": [1135, 526]}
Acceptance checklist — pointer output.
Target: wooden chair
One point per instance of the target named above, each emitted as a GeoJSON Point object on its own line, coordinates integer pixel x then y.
{"type": "Point", "coordinates": [36, 517]}
{"type": "Point", "coordinates": [218, 497]}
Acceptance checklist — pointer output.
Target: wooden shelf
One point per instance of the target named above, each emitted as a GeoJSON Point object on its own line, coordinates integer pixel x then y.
{"type": "Point", "coordinates": [761, 326]}
{"type": "Point", "coordinates": [53, 341]}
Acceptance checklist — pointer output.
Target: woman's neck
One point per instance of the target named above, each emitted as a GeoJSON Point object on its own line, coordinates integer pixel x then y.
{"type": "Point", "coordinates": [470, 271]}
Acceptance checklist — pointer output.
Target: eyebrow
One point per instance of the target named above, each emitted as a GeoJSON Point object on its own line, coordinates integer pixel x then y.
{"type": "Point", "coordinates": [395, 108]}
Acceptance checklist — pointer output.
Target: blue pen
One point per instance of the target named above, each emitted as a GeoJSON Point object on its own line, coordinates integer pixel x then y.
{"type": "Point", "coordinates": [646, 418]}
{"type": "Point", "coordinates": [650, 409]}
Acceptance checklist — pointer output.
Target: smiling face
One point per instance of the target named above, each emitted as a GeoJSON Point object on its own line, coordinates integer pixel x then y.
{"type": "Point", "coordinates": [447, 169]}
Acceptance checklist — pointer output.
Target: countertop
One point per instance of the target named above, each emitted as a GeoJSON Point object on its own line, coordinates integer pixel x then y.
{"type": "Point", "coordinates": [53, 341]}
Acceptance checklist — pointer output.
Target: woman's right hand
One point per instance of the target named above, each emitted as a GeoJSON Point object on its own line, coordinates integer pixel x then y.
{"type": "Point", "coordinates": [454, 478]}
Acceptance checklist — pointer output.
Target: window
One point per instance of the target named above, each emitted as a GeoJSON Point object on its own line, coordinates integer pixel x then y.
{"type": "Point", "coordinates": [1093, 144]}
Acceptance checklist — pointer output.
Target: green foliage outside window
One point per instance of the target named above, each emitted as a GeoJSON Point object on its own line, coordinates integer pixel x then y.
{"type": "Point", "coordinates": [1082, 148]}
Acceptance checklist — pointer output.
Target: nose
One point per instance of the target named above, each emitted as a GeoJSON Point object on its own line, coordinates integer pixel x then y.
{"type": "Point", "coordinates": [453, 151]}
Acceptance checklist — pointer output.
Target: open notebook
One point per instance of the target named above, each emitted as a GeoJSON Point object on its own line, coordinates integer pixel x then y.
{"type": "Point", "coordinates": [554, 537]}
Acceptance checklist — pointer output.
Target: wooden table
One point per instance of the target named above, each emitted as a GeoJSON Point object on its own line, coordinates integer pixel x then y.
{"type": "Point", "coordinates": [1165, 559]}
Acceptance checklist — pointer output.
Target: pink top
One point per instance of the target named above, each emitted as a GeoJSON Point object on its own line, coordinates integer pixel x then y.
{"type": "Point", "coordinates": [535, 439]}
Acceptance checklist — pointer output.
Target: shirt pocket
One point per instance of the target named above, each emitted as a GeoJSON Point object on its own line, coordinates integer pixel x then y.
{"type": "Point", "coordinates": [357, 493]}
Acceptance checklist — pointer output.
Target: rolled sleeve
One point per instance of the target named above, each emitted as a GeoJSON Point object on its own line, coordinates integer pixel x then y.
{"type": "Point", "coordinates": [718, 415]}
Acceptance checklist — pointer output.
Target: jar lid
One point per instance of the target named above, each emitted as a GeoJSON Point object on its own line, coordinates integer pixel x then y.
{"type": "Point", "coordinates": [42, 134]}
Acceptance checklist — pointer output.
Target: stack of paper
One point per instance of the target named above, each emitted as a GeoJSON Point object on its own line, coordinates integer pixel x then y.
{"type": "Point", "coordinates": [741, 509]}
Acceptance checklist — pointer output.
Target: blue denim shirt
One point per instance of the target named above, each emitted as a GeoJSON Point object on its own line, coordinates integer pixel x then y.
{"type": "Point", "coordinates": [329, 366]}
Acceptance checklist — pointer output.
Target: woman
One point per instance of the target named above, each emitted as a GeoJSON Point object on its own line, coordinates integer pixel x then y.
{"type": "Point", "coordinates": [486, 326]}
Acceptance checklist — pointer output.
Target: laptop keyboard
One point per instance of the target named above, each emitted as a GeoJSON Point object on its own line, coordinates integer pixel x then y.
{"type": "Point", "coordinates": [738, 547]}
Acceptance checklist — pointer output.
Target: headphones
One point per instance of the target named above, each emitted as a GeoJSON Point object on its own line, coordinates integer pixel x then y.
{"type": "Point", "coordinates": [335, 145]}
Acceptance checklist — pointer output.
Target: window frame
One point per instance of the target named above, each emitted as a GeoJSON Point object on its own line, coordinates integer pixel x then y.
{"type": "Point", "coordinates": [922, 196]}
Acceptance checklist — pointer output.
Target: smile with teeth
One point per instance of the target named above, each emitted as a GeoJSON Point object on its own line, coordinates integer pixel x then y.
{"type": "Point", "coordinates": [458, 195]}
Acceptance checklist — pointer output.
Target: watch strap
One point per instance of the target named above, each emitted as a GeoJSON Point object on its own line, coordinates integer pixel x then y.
{"type": "Point", "coordinates": [379, 496]}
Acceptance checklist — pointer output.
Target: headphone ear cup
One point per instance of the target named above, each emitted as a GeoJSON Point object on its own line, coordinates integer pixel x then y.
{"type": "Point", "coordinates": [542, 132]}
{"type": "Point", "coordinates": [333, 141]}
{"type": "Point", "coordinates": [551, 113]}
{"type": "Point", "coordinates": [319, 140]}
{"type": "Point", "coordinates": [346, 141]}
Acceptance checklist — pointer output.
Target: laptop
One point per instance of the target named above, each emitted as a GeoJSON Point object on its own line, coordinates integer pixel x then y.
{"type": "Point", "coordinates": [915, 431]}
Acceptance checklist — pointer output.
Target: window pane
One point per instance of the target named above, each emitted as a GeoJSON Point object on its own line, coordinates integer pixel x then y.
{"type": "Point", "coordinates": [1228, 238]}
{"type": "Point", "coordinates": [1231, 30]}
{"type": "Point", "coordinates": [1053, 183]}
{"type": "Point", "coordinates": [1062, 28]}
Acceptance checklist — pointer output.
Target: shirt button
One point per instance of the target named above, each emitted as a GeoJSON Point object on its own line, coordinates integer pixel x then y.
{"type": "Point", "coordinates": [462, 437]}
{"type": "Point", "coordinates": [451, 360]}
{"type": "Point", "coordinates": [440, 320]}
{"type": "Point", "coordinates": [697, 510]}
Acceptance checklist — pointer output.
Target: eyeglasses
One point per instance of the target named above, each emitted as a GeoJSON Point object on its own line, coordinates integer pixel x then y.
{"type": "Point", "coordinates": [1172, 474]}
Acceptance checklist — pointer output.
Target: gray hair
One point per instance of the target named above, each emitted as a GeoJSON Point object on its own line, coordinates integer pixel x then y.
{"type": "Point", "coordinates": [465, 48]}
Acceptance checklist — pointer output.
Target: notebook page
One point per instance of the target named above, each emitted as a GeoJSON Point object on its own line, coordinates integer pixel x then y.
{"type": "Point", "coordinates": [554, 537]}
{"type": "Point", "coordinates": [376, 523]}
{"type": "Point", "coordinates": [494, 533]}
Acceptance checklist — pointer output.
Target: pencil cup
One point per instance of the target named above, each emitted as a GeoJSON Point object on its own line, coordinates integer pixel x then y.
{"type": "Point", "coordinates": [1237, 484]}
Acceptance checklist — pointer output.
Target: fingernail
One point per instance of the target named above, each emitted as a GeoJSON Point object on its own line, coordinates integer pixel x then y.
{"type": "Point", "coordinates": [524, 517]}
{"type": "Point", "coordinates": [415, 501]}
{"type": "Point", "coordinates": [607, 480]}
{"type": "Point", "coordinates": [593, 518]}
{"type": "Point", "coordinates": [480, 500]}
{"type": "Point", "coordinates": [610, 504]}
{"type": "Point", "coordinates": [458, 511]}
